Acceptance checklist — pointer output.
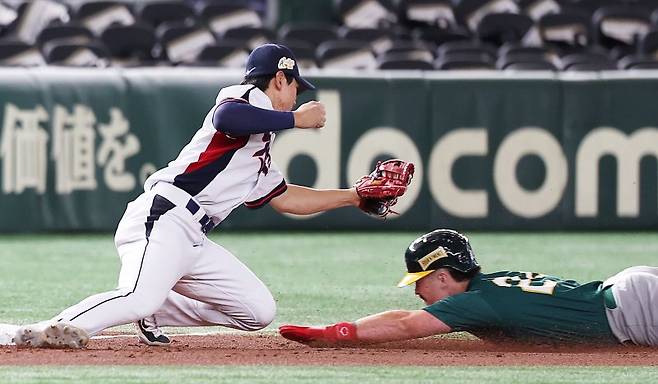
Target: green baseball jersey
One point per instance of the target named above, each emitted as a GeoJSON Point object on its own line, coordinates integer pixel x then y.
{"type": "Point", "coordinates": [527, 306]}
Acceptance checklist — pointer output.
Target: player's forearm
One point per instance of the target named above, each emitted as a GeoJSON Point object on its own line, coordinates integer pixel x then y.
{"type": "Point", "coordinates": [392, 326]}
{"type": "Point", "coordinates": [301, 200]}
{"type": "Point", "coordinates": [382, 327]}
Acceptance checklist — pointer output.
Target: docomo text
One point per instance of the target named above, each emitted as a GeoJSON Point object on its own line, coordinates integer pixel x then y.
{"type": "Point", "coordinates": [628, 149]}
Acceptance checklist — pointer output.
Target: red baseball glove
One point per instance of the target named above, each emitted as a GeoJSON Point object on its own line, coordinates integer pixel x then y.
{"type": "Point", "coordinates": [337, 334]}
{"type": "Point", "coordinates": [379, 190]}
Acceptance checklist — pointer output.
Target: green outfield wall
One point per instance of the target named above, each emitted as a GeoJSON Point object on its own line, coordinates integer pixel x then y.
{"type": "Point", "coordinates": [492, 150]}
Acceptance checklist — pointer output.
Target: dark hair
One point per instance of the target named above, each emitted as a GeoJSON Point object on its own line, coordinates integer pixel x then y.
{"type": "Point", "coordinates": [461, 276]}
{"type": "Point", "coordinates": [262, 82]}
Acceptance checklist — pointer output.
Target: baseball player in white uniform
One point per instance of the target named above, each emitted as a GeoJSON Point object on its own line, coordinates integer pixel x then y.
{"type": "Point", "coordinates": [171, 273]}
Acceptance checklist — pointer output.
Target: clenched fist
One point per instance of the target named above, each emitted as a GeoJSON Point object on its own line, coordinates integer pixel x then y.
{"type": "Point", "coordinates": [310, 115]}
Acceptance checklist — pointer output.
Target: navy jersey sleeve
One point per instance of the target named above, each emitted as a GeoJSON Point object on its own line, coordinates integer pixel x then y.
{"type": "Point", "coordinates": [239, 118]}
{"type": "Point", "coordinates": [464, 312]}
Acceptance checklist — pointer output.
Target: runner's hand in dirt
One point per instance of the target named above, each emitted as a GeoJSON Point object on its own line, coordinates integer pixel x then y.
{"type": "Point", "coordinates": [331, 335]}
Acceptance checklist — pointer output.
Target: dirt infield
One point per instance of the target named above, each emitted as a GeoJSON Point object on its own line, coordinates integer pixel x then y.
{"type": "Point", "coordinates": [266, 349]}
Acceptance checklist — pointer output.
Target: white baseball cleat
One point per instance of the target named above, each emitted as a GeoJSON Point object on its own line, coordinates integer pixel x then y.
{"type": "Point", "coordinates": [57, 335]}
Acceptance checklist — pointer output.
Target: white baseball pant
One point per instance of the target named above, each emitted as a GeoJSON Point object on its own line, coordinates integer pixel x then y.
{"type": "Point", "coordinates": [171, 270]}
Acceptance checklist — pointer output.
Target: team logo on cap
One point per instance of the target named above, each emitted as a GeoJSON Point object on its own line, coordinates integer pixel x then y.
{"type": "Point", "coordinates": [431, 257]}
{"type": "Point", "coordinates": [286, 63]}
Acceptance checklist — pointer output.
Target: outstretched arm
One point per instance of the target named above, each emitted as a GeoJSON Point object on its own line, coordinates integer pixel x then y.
{"type": "Point", "coordinates": [382, 327]}
{"type": "Point", "coordinates": [300, 200]}
{"type": "Point", "coordinates": [399, 325]}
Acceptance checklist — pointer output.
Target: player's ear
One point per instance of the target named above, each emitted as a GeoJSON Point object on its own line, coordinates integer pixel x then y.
{"type": "Point", "coordinates": [279, 79]}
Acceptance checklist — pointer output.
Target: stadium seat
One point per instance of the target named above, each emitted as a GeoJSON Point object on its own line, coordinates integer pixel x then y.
{"type": "Point", "coordinates": [346, 54]}
{"type": "Point", "coordinates": [620, 26]}
{"type": "Point", "coordinates": [314, 34]}
{"type": "Point", "coordinates": [77, 55]}
{"type": "Point", "coordinates": [404, 60]}
{"type": "Point", "coordinates": [32, 17]}
{"type": "Point", "coordinates": [638, 62]}
{"type": "Point", "coordinates": [130, 45]}
{"type": "Point", "coordinates": [537, 9]}
{"type": "Point", "coordinates": [439, 36]}
{"type": "Point", "coordinates": [180, 43]}
{"type": "Point", "coordinates": [470, 12]}
{"type": "Point", "coordinates": [20, 54]}
{"type": "Point", "coordinates": [418, 50]}
{"type": "Point", "coordinates": [253, 36]}
{"type": "Point", "coordinates": [224, 53]}
{"type": "Point", "coordinates": [649, 44]}
{"type": "Point", "coordinates": [98, 15]}
{"type": "Point", "coordinates": [380, 39]}
{"type": "Point", "coordinates": [437, 13]}
{"type": "Point", "coordinates": [365, 13]}
{"type": "Point", "coordinates": [500, 28]}
{"type": "Point", "coordinates": [565, 29]}
{"type": "Point", "coordinates": [528, 66]}
{"type": "Point", "coordinates": [587, 7]}
{"type": "Point", "coordinates": [587, 62]}
{"type": "Point", "coordinates": [158, 12]}
{"type": "Point", "coordinates": [649, 5]}
{"type": "Point", "coordinates": [75, 32]}
{"type": "Point", "coordinates": [467, 47]}
{"type": "Point", "coordinates": [512, 54]}
{"type": "Point", "coordinates": [222, 17]}
{"type": "Point", "coordinates": [464, 61]}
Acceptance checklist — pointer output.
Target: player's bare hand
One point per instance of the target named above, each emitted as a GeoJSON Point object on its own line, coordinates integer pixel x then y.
{"type": "Point", "coordinates": [310, 115]}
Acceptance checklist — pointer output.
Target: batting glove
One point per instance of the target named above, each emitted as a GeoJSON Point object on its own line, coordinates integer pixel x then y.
{"type": "Point", "coordinates": [336, 334]}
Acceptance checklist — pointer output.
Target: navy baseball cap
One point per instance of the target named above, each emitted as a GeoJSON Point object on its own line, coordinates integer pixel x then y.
{"type": "Point", "coordinates": [268, 59]}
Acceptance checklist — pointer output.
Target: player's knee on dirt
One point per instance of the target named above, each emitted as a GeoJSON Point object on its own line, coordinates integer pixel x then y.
{"type": "Point", "coordinates": [261, 314]}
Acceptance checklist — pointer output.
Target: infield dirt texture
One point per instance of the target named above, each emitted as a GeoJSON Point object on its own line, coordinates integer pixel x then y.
{"type": "Point", "coordinates": [317, 278]}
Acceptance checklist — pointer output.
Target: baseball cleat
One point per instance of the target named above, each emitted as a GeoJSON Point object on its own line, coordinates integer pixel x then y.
{"type": "Point", "coordinates": [58, 335]}
{"type": "Point", "coordinates": [150, 334]}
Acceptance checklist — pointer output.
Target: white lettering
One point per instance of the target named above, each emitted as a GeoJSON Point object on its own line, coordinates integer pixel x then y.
{"type": "Point", "coordinates": [530, 141]}
{"type": "Point", "coordinates": [113, 151]}
{"type": "Point", "coordinates": [454, 200]}
{"type": "Point", "coordinates": [24, 152]}
{"type": "Point", "coordinates": [386, 140]}
{"type": "Point", "coordinates": [321, 145]}
{"type": "Point", "coordinates": [73, 149]}
{"type": "Point", "coordinates": [628, 151]}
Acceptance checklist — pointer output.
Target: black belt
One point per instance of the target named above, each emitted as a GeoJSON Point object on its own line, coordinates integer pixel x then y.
{"type": "Point", "coordinates": [206, 224]}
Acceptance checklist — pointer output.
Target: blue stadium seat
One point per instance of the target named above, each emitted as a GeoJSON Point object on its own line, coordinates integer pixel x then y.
{"type": "Point", "coordinates": [500, 28]}
{"type": "Point", "coordinates": [314, 34]}
{"type": "Point", "coordinates": [638, 62]}
{"type": "Point", "coordinates": [366, 13]}
{"type": "Point", "coordinates": [346, 54]}
{"type": "Point", "coordinates": [588, 61]}
{"type": "Point", "coordinates": [469, 13]}
{"type": "Point", "coordinates": [98, 15]}
{"type": "Point", "coordinates": [18, 53]}
{"type": "Point", "coordinates": [404, 61]}
{"type": "Point", "coordinates": [222, 17]}
{"type": "Point", "coordinates": [224, 53]}
{"type": "Point", "coordinates": [436, 13]}
{"type": "Point", "coordinates": [537, 9]}
{"type": "Point", "coordinates": [92, 54]}
{"type": "Point", "coordinates": [130, 45]}
{"type": "Point", "coordinates": [158, 12]}
{"type": "Point", "coordinates": [181, 43]}
{"type": "Point", "coordinates": [252, 36]}
{"type": "Point", "coordinates": [68, 31]}
{"type": "Point", "coordinates": [620, 27]}
{"type": "Point", "coordinates": [464, 61]}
